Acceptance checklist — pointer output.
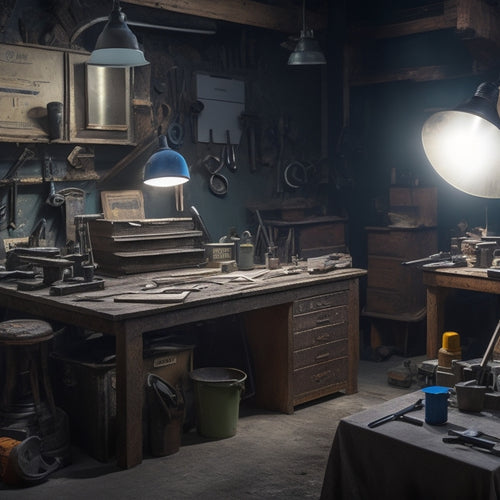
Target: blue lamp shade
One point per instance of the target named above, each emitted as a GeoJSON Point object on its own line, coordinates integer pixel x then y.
{"type": "Point", "coordinates": [165, 167]}
{"type": "Point", "coordinates": [117, 46]}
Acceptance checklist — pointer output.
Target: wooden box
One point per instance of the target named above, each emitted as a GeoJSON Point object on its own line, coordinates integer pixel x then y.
{"type": "Point", "coordinates": [420, 202]}
{"type": "Point", "coordinates": [144, 245]}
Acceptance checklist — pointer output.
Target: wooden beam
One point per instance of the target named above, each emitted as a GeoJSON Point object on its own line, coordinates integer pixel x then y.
{"type": "Point", "coordinates": [245, 12]}
{"type": "Point", "coordinates": [417, 74]}
{"type": "Point", "coordinates": [446, 20]}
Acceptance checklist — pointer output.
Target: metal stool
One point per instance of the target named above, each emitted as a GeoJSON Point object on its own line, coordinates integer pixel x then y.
{"type": "Point", "coordinates": [24, 350]}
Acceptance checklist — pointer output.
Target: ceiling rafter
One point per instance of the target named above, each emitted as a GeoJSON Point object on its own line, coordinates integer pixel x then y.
{"type": "Point", "coordinates": [246, 12]}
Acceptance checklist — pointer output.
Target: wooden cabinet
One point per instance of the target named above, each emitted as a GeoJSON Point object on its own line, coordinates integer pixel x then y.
{"type": "Point", "coordinates": [395, 290]}
{"type": "Point", "coordinates": [308, 237]}
{"type": "Point", "coordinates": [307, 346]}
{"type": "Point", "coordinates": [320, 345]}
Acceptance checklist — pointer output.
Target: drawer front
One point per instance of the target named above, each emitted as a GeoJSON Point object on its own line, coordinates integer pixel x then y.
{"type": "Point", "coordinates": [319, 336]}
{"type": "Point", "coordinates": [319, 354]}
{"type": "Point", "coordinates": [312, 304]}
{"type": "Point", "coordinates": [325, 317]}
{"type": "Point", "coordinates": [406, 244]}
{"type": "Point", "coordinates": [318, 376]}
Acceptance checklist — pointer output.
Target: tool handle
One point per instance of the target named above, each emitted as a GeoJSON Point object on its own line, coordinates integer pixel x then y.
{"type": "Point", "coordinates": [411, 420]}
{"type": "Point", "coordinates": [381, 421]}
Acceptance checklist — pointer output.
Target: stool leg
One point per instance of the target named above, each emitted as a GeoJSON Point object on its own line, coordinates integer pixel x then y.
{"type": "Point", "coordinates": [35, 388]}
{"type": "Point", "coordinates": [10, 377]}
{"type": "Point", "coordinates": [46, 380]}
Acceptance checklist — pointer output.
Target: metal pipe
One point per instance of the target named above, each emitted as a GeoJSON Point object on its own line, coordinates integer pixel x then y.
{"type": "Point", "coordinates": [103, 19]}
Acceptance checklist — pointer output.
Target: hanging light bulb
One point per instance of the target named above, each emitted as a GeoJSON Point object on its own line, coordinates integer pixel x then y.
{"type": "Point", "coordinates": [463, 144]}
{"type": "Point", "coordinates": [117, 46]}
{"type": "Point", "coordinates": [307, 50]}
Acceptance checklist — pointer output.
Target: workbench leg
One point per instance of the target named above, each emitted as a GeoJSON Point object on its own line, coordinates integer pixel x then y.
{"type": "Point", "coordinates": [129, 396]}
{"type": "Point", "coordinates": [353, 337]}
{"type": "Point", "coordinates": [436, 298]}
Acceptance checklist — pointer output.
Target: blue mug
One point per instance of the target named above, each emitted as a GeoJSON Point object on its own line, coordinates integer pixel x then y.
{"type": "Point", "coordinates": [436, 404]}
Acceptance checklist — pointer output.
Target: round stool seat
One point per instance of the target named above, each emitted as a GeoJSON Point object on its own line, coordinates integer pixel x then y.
{"type": "Point", "coordinates": [24, 331]}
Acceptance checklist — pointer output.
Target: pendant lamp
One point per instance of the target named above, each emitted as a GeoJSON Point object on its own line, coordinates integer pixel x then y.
{"type": "Point", "coordinates": [117, 46]}
{"type": "Point", "coordinates": [165, 167]}
{"type": "Point", "coordinates": [463, 144]}
{"type": "Point", "coordinates": [307, 50]}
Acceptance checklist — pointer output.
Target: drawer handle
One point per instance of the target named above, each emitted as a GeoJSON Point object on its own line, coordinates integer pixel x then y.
{"type": "Point", "coordinates": [320, 357]}
{"type": "Point", "coordinates": [323, 338]}
{"type": "Point", "coordinates": [319, 377]}
{"type": "Point", "coordinates": [324, 321]}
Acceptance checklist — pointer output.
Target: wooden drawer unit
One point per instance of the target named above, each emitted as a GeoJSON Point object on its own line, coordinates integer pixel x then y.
{"type": "Point", "coordinates": [319, 354]}
{"type": "Point", "coordinates": [395, 290]}
{"type": "Point", "coordinates": [319, 380]}
{"type": "Point", "coordinates": [318, 336]}
{"type": "Point", "coordinates": [320, 345]}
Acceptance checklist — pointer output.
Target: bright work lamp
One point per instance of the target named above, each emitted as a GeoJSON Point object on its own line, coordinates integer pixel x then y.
{"type": "Point", "coordinates": [117, 46]}
{"type": "Point", "coordinates": [463, 145]}
{"type": "Point", "coordinates": [165, 167]}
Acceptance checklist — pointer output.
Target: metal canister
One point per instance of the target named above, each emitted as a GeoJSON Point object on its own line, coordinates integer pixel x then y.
{"type": "Point", "coordinates": [246, 252]}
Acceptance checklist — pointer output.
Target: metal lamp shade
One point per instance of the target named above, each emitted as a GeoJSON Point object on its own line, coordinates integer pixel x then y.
{"type": "Point", "coordinates": [463, 145]}
{"type": "Point", "coordinates": [117, 46]}
{"type": "Point", "coordinates": [166, 167]}
{"type": "Point", "coordinates": [307, 51]}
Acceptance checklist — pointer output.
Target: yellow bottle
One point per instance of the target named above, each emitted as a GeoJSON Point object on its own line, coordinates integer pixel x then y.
{"type": "Point", "coordinates": [450, 349]}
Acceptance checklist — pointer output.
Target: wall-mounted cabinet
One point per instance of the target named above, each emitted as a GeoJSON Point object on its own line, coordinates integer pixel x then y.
{"type": "Point", "coordinates": [100, 105]}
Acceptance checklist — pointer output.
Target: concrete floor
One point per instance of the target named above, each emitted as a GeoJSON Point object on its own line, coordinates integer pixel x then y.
{"type": "Point", "coordinates": [272, 455]}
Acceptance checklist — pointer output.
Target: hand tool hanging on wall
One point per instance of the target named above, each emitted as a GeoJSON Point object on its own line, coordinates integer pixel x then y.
{"type": "Point", "coordinates": [229, 153]}
{"type": "Point", "coordinates": [248, 124]}
{"type": "Point", "coordinates": [281, 147]}
{"type": "Point", "coordinates": [175, 130]}
{"type": "Point", "coordinates": [10, 179]}
{"type": "Point", "coordinates": [195, 109]}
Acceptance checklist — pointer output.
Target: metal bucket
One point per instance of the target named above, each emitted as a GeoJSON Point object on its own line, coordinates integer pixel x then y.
{"type": "Point", "coordinates": [217, 398]}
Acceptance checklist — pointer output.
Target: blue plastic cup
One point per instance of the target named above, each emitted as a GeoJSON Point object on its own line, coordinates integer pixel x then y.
{"type": "Point", "coordinates": [436, 404]}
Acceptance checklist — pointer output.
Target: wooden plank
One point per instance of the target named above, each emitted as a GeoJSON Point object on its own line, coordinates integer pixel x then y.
{"type": "Point", "coordinates": [245, 12]}
{"type": "Point", "coordinates": [478, 20]}
{"type": "Point", "coordinates": [420, 74]}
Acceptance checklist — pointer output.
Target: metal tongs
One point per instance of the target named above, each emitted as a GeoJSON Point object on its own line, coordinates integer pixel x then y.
{"type": "Point", "coordinates": [400, 415]}
{"type": "Point", "coordinates": [473, 438]}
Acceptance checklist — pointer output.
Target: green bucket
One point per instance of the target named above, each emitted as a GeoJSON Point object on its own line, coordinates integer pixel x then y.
{"type": "Point", "coordinates": [217, 393]}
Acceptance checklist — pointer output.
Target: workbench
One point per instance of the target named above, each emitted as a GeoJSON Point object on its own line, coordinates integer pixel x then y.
{"type": "Point", "coordinates": [398, 460]}
{"type": "Point", "coordinates": [302, 330]}
{"type": "Point", "coordinates": [439, 283]}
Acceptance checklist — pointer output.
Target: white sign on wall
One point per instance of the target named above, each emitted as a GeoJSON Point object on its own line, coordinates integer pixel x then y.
{"type": "Point", "coordinates": [224, 102]}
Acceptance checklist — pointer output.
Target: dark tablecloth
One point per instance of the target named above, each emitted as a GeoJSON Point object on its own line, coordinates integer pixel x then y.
{"type": "Point", "coordinates": [402, 461]}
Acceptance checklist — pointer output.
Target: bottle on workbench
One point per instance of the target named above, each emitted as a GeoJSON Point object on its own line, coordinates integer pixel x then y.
{"type": "Point", "coordinates": [246, 252]}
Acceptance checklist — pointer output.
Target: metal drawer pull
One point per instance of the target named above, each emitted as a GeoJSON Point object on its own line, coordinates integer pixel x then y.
{"type": "Point", "coordinates": [324, 321]}
{"type": "Point", "coordinates": [319, 377]}
{"type": "Point", "coordinates": [325, 355]}
{"type": "Point", "coordinates": [323, 338]}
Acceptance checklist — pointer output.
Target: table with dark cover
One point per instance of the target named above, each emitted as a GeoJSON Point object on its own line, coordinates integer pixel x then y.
{"type": "Point", "coordinates": [402, 461]}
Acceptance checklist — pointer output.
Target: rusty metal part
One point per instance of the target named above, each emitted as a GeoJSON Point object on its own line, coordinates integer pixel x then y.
{"type": "Point", "coordinates": [26, 155]}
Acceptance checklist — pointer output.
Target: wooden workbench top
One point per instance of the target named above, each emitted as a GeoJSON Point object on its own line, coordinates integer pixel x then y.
{"type": "Point", "coordinates": [213, 288]}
